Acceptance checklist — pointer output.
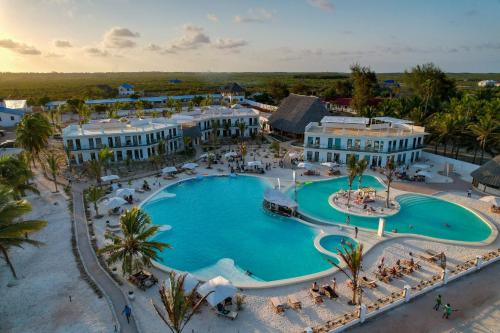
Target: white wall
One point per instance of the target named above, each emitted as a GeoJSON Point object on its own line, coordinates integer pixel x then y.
{"type": "Point", "coordinates": [460, 167]}
{"type": "Point", "coordinates": [9, 120]}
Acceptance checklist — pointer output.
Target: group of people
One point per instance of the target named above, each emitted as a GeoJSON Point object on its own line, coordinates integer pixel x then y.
{"type": "Point", "coordinates": [447, 309]}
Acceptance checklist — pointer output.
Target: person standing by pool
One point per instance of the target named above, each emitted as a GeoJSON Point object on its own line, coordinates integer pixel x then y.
{"type": "Point", "coordinates": [127, 311]}
{"type": "Point", "coordinates": [439, 301]}
{"type": "Point", "coordinates": [469, 193]}
{"type": "Point", "coordinates": [348, 220]}
{"type": "Point", "coordinates": [356, 232]}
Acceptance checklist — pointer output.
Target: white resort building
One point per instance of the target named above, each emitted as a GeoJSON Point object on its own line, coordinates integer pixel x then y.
{"type": "Point", "coordinates": [136, 139]}
{"type": "Point", "coordinates": [334, 139]}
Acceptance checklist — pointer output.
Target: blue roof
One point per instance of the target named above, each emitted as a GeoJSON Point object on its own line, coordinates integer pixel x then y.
{"type": "Point", "coordinates": [175, 81]}
{"type": "Point", "coordinates": [16, 112]}
{"type": "Point", "coordinates": [127, 86]}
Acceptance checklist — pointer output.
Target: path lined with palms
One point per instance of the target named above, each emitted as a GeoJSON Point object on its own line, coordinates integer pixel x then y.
{"type": "Point", "coordinates": [114, 293]}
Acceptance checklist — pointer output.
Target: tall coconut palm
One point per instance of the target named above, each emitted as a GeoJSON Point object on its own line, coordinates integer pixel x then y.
{"type": "Point", "coordinates": [352, 172]}
{"type": "Point", "coordinates": [33, 133]}
{"type": "Point", "coordinates": [94, 194]}
{"type": "Point", "coordinates": [243, 151]}
{"type": "Point", "coordinates": [242, 127]}
{"type": "Point", "coordinates": [16, 173]}
{"type": "Point", "coordinates": [352, 256]}
{"type": "Point", "coordinates": [134, 249]}
{"type": "Point", "coordinates": [485, 130]}
{"type": "Point", "coordinates": [227, 128]}
{"type": "Point", "coordinates": [390, 170]}
{"type": "Point", "coordinates": [84, 113]}
{"type": "Point", "coordinates": [105, 155]}
{"type": "Point", "coordinates": [179, 305]}
{"type": "Point", "coordinates": [93, 169]}
{"type": "Point", "coordinates": [215, 131]}
{"type": "Point", "coordinates": [54, 163]}
{"type": "Point", "coordinates": [362, 165]}
{"type": "Point", "coordinates": [162, 150]}
{"type": "Point", "coordinates": [13, 229]}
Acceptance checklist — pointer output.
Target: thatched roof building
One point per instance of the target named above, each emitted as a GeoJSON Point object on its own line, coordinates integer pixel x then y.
{"type": "Point", "coordinates": [295, 113]}
{"type": "Point", "coordinates": [487, 177]}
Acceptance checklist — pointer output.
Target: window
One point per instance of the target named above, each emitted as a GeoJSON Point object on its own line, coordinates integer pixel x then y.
{"type": "Point", "coordinates": [119, 155]}
{"type": "Point", "coordinates": [78, 145]}
{"type": "Point", "coordinates": [349, 143]}
{"type": "Point", "coordinates": [330, 145]}
{"type": "Point", "coordinates": [118, 141]}
{"type": "Point", "coordinates": [419, 142]}
{"type": "Point", "coordinates": [69, 144]}
{"type": "Point", "coordinates": [12, 118]}
{"type": "Point", "coordinates": [128, 140]}
{"type": "Point", "coordinates": [310, 140]}
{"type": "Point", "coordinates": [357, 144]}
{"type": "Point", "coordinates": [110, 142]}
{"type": "Point", "coordinates": [376, 145]}
{"type": "Point", "coordinates": [92, 156]}
{"type": "Point", "coordinates": [381, 146]}
{"type": "Point", "coordinates": [91, 143]}
{"type": "Point", "coordinates": [368, 144]}
{"type": "Point", "coordinates": [309, 155]}
{"type": "Point", "coordinates": [98, 143]}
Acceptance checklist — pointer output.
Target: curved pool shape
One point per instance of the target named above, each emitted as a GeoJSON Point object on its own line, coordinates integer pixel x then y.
{"type": "Point", "coordinates": [214, 218]}
{"type": "Point", "coordinates": [334, 243]}
{"type": "Point", "coordinates": [419, 214]}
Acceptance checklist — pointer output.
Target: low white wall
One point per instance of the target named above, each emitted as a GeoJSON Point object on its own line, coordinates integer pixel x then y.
{"type": "Point", "coordinates": [261, 105]}
{"type": "Point", "coordinates": [460, 167]}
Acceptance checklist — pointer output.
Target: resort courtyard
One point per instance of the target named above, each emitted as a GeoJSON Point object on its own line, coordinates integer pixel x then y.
{"type": "Point", "coordinates": [217, 226]}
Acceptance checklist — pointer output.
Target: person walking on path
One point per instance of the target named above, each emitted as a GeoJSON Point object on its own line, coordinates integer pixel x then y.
{"type": "Point", "coordinates": [356, 232]}
{"type": "Point", "coordinates": [447, 311]}
{"type": "Point", "coordinates": [439, 301]}
{"type": "Point", "coordinates": [469, 193]}
{"type": "Point", "coordinates": [127, 311]}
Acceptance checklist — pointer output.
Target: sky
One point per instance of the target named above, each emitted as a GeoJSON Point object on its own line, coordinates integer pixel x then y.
{"type": "Point", "coordinates": [248, 36]}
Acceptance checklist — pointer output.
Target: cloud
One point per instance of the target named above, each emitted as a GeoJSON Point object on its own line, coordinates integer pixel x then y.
{"type": "Point", "coordinates": [153, 47]}
{"type": "Point", "coordinates": [227, 43]}
{"type": "Point", "coordinates": [20, 48]}
{"type": "Point", "coordinates": [213, 17]}
{"type": "Point", "coordinates": [325, 5]}
{"type": "Point", "coordinates": [193, 37]}
{"type": "Point", "coordinates": [259, 15]}
{"type": "Point", "coordinates": [62, 43]}
{"type": "Point", "coordinates": [471, 12]}
{"type": "Point", "coordinates": [120, 38]}
{"type": "Point", "coordinates": [53, 55]}
{"type": "Point", "coordinates": [96, 52]}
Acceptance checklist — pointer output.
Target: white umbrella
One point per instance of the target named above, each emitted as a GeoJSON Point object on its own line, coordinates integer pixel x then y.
{"type": "Point", "coordinates": [426, 174]}
{"type": "Point", "coordinates": [221, 289]}
{"type": "Point", "coordinates": [293, 155]}
{"type": "Point", "coordinates": [254, 163]}
{"type": "Point", "coordinates": [330, 164]}
{"type": "Point", "coordinates": [495, 201]}
{"type": "Point", "coordinates": [169, 169]}
{"type": "Point", "coordinates": [204, 155]}
{"type": "Point", "coordinates": [305, 165]}
{"type": "Point", "coordinates": [230, 154]}
{"type": "Point", "coordinates": [114, 202]}
{"type": "Point", "coordinates": [124, 192]}
{"type": "Point", "coordinates": [189, 166]}
{"type": "Point", "coordinates": [110, 177]}
{"type": "Point", "coordinates": [421, 166]}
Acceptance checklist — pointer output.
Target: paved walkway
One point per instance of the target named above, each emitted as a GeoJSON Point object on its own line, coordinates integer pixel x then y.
{"type": "Point", "coordinates": [477, 297]}
{"type": "Point", "coordinates": [115, 294]}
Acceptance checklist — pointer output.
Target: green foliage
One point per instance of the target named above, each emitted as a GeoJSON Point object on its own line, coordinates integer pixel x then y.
{"type": "Point", "coordinates": [365, 86]}
{"type": "Point", "coordinates": [16, 173]}
{"type": "Point", "coordinates": [94, 194]}
{"type": "Point", "coordinates": [33, 132]}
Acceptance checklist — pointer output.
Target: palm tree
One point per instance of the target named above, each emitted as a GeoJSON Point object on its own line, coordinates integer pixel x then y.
{"type": "Point", "coordinates": [352, 172]}
{"type": "Point", "coordinates": [94, 194]}
{"type": "Point", "coordinates": [243, 151]}
{"type": "Point", "coordinates": [33, 133]}
{"type": "Point", "coordinates": [485, 130]}
{"type": "Point", "coordinates": [170, 104]}
{"type": "Point", "coordinates": [362, 165]}
{"type": "Point", "coordinates": [84, 112]}
{"type": "Point", "coordinates": [242, 127]}
{"type": "Point", "coordinates": [227, 128]}
{"type": "Point", "coordinates": [135, 249]}
{"type": "Point", "coordinates": [352, 256]}
{"type": "Point", "coordinates": [180, 306]}
{"type": "Point", "coordinates": [178, 106]}
{"type": "Point", "coordinates": [162, 149]}
{"type": "Point", "coordinates": [93, 169]}
{"type": "Point", "coordinates": [215, 131]}
{"type": "Point", "coordinates": [13, 230]}
{"type": "Point", "coordinates": [53, 162]}
{"type": "Point", "coordinates": [390, 169]}
{"type": "Point", "coordinates": [105, 155]}
{"type": "Point", "coordinates": [16, 173]}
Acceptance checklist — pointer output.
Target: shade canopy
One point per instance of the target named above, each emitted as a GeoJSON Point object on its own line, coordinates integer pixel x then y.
{"type": "Point", "coordinates": [426, 174]}
{"type": "Point", "coordinates": [124, 192]}
{"type": "Point", "coordinates": [109, 178]}
{"type": "Point", "coordinates": [294, 154]}
{"type": "Point", "coordinates": [169, 169]}
{"type": "Point", "coordinates": [305, 165]}
{"type": "Point", "coordinates": [207, 155]}
{"type": "Point", "coordinates": [190, 282]}
{"type": "Point", "coordinates": [114, 202]}
{"type": "Point", "coordinates": [279, 198]}
{"type": "Point", "coordinates": [330, 164]}
{"type": "Point", "coordinates": [220, 288]}
{"type": "Point", "coordinates": [190, 166]}
{"type": "Point", "coordinates": [230, 154]}
{"type": "Point", "coordinates": [254, 163]}
{"type": "Point", "coordinates": [495, 201]}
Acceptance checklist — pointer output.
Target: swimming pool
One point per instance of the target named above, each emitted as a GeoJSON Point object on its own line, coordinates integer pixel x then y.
{"type": "Point", "coordinates": [419, 214]}
{"type": "Point", "coordinates": [215, 219]}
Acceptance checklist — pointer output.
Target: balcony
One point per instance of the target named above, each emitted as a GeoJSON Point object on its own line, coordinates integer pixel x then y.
{"type": "Point", "coordinates": [360, 149]}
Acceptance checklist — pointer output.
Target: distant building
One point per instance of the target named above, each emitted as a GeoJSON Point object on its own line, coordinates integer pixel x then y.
{"type": "Point", "coordinates": [126, 90]}
{"type": "Point", "coordinates": [487, 177]}
{"type": "Point", "coordinates": [294, 113]}
{"type": "Point", "coordinates": [174, 81]}
{"type": "Point", "coordinates": [11, 112]}
{"type": "Point", "coordinates": [233, 93]}
{"type": "Point", "coordinates": [335, 139]}
{"type": "Point", "coordinates": [487, 83]}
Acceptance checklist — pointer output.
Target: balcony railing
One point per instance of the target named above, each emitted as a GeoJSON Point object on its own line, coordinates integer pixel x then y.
{"type": "Point", "coordinates": [131, 145]}
{"type": "Point", "coordinates": [361, 149]}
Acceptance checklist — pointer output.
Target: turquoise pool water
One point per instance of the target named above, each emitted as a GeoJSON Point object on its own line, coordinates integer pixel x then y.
{"type": "Point", "coordinates": [333, 243]}
{"type": "Point", "coordinates": [222, 217]}
{"type": "Point", "coordinates": [419, 214]}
